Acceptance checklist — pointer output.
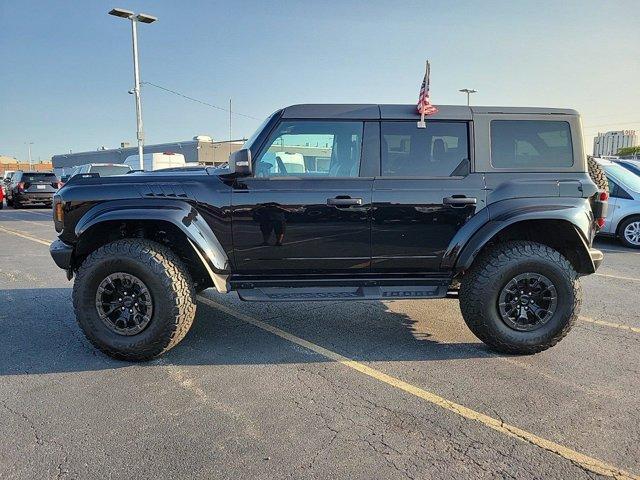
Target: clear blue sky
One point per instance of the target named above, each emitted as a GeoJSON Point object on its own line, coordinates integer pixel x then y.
{"type": "Point", "coordinates": [66, 65]}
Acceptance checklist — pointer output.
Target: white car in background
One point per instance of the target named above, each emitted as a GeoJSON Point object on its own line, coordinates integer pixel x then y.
{"type": "Point", "coordinates": [623, 218]}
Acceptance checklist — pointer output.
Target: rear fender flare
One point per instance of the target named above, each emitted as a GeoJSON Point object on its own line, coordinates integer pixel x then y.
{"type": "Point", "coordinates": [468, 242]}
{"type": "Point", "coordinates": [180, 214]}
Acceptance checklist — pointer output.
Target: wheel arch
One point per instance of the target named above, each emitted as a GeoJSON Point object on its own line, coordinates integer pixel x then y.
{"type": "Point", "coordinates": [176, 224]}
{"type": "Point", "coordinates": [565, 238]}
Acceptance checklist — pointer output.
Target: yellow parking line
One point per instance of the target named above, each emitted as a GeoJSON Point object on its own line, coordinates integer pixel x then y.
{"type": "Point", "coordinates": [618, 277]}
{"type": "Point", "coordinates": [585, 461]}
{"type": "Point", "coordinates": [619, 326]}
{"type": "Point", "coordinates": [26, 236]}
{"type": "Point", "coordinates": [589, 463]}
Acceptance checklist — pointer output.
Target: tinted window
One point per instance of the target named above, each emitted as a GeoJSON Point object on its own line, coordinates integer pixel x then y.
{"type": "Point", "coordinates": [38, 177]}
{"type": "Point", "coordinates": [622, 175]}
{"type": "Point", "coordinates": [109, 170]}
{"type": "Point", "coordinates": [310, 148]}
{"type": "Point", "coordinates": [530, 144]}
{"type": "Point", "coordinates": [440, 150]}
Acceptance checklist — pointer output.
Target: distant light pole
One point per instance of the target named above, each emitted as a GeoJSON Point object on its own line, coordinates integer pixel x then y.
{"type": "Point", "coordinates": [135, 18]}
{"type": "Point", "coordinates": [28, 144]}
{"type": "Point", "coordinates": [468, 91]}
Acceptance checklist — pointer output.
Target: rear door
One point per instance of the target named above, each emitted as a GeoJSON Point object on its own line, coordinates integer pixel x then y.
{"type": "Point", "coordinates": [425, 194]}
{"type": "Point", "coordinates": [307, 208]}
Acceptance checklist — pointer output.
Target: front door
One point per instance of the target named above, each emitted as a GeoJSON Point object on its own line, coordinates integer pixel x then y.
{"type": "Point", "coordinates": [424, 195]}
{"type": "Point", "coordinates": [306, 209]}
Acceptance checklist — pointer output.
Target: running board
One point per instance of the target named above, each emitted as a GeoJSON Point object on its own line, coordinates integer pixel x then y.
{"type": "Point", "coordinates": [293, 294]}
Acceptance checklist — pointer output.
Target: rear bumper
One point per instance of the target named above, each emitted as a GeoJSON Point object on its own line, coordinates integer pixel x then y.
{"type": "Point", "coordinates": [62, 254]}
{"type": "Point", "coordinates": [596, 257]}
{"type": "Point", "coordinates": [26, 198]}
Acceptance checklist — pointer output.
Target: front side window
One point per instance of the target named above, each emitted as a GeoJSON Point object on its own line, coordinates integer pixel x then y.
{"type": "Point", "coordinates": [440, 150]}
{"type": "Point", "coordinates": [312, 148]}
{"type": "Point", "coordinates": [531, 144]}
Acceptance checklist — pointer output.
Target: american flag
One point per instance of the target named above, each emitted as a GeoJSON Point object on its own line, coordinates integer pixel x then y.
{"type": "Point", "coordinates": [424, 105]}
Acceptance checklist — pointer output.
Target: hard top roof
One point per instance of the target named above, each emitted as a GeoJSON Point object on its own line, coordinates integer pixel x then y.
{"type": "Point", "coordinates": [405, 112]}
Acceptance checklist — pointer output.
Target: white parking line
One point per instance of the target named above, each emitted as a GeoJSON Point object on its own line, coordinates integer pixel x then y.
{"type": "Point", "coordinates": [630, 279]}
{"type": "Point", "coordinates": [610, 250]}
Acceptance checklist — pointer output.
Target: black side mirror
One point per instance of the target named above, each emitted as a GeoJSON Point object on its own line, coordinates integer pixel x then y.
{"type": "Point", "coordinates": [240, 162]}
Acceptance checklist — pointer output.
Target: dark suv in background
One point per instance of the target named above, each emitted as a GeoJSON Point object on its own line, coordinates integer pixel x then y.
{"type": "Point", "coordinates": [32, 188]}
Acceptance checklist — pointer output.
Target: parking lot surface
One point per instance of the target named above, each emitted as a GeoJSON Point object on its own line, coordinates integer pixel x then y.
{"type": "Point", "coordinates": [357, 390]}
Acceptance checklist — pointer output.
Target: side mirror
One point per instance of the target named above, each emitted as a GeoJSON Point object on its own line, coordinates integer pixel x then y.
{"type": "Point", "coordinates": [240, 162]}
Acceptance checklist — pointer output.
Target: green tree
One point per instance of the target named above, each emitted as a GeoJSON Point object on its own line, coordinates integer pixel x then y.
{"type": "Point", "coordinates": [629, 151]}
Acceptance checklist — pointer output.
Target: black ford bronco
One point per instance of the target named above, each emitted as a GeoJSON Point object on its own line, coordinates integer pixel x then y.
{"type": "Point", "coordinates": [345, 202]}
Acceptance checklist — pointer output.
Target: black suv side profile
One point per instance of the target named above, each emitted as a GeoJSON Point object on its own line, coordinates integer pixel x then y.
{"type": "Point", "coordinates": [345, 202]}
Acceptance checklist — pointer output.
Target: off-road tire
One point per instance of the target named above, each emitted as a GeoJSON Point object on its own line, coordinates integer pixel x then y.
{"type": "Point", "coordinates": [482, 283]}
{"type": "Point", "coordinates": [168, 282]}
{"type": "Point", "coordinates": [621, 228]}
{"type": "Point", "coordinates": [596, 172]}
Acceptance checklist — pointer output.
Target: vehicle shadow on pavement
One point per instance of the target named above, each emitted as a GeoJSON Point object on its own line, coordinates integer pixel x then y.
{"type": "Point", "coordinates": [40, 336]}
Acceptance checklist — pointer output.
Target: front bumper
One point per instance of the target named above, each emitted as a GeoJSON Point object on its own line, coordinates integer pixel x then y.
{"type": "Point", "coordinates": [596, 257]}
{"type": "Point", "coordinates": [62, 254]}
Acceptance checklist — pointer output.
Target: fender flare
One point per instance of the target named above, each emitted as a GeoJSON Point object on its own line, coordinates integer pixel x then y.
{"type": "Point", "coordinates": [476, 233]}
{"type": "Point", "coordinates": [179, 213]}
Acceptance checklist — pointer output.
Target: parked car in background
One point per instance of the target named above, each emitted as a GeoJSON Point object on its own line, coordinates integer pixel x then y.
{"type": "Point", "coordinates": [631, 165]}
{"type": "Point", "coordinates": [6, 179]}
{"type": "Point", "coordinates": [623, 218]}
{"type": "Point", "coordinates": [1, 198]}
{"type": "Point", "coordinates": [32, 188]}
{"type": "Point", "coordinates": [156, 161]}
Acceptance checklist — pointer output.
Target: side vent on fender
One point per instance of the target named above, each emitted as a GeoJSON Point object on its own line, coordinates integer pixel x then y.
{"type": "Point", "coordinates": [160, 190]}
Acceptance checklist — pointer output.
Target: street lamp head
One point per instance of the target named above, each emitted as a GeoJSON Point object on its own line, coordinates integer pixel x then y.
{"type": "Point", "coordinates": [467, 90]}
{"type": "Point", "coordinates": [120, 12]}
{"type": "Point", "coordinates": [144, 18]}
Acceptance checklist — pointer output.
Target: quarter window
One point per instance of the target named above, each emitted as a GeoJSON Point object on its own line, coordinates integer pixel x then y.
{"type": "Point", "coordinates": [530, 144]}
{"type": "Point", "coordinates": [312, 148]}
{"type": "Point", "coordinates": [440, 150]}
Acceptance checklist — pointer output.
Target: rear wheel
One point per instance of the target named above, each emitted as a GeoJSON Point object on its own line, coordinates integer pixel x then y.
{"type": "Point", "coordinates": [134, 299]}
{"type": "Point", "coordinates": [629, 232]}
{"type": "Point", "coordinates": [520, 297]}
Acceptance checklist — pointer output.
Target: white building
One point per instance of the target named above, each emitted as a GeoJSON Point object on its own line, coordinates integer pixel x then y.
{"type": "Point", "coordinates": [609, 143]}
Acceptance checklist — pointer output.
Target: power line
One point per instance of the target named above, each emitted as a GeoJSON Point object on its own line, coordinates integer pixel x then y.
{"type": "Point", "coordinates": [199, 101]}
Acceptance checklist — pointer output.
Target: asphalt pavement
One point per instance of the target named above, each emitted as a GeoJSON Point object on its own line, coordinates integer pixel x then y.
{"type": "Point", "coordinates": [357, 390]}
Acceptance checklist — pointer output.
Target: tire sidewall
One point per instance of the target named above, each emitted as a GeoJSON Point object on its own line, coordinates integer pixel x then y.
{"type": "Point", "coordinates": [564, 311]}
{"type": "Point", "coordinates": [624, 225]}
{"type": "Point", "coordinates": [159, 329]}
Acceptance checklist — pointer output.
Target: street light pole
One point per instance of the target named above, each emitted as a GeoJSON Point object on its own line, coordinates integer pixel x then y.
{"type": "Point", "coordinates": [135, 18]}
{"type": "Point", "coordinates": [468, 91]}
{"type": "Point", "coordinates": [29, 150]}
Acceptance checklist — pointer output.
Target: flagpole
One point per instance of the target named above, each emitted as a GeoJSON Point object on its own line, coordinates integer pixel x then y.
{"type": "Point", "coordinates": [422, 123]}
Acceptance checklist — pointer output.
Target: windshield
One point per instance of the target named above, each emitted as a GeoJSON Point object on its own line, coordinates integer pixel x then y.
{"type": "Point", "coordinates": [109, 170]}
{"type": "Point", "coordinates": [624, 176]}
{"type": "Point", "coordinates": [253, 137]}
{"type": "Point", "coordinates": [38, 177]}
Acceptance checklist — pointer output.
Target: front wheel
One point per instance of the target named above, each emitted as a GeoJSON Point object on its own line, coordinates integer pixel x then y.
{"type": "Point", "coordinates": [629, 232]}
{"type": "Point", "coordinates": [520, 297]}
{"type": "Point", "coordinates": [134, 299]}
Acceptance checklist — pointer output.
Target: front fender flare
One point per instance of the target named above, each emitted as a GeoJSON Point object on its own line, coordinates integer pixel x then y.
{"type": "Point", "coordinates": [179, 213]}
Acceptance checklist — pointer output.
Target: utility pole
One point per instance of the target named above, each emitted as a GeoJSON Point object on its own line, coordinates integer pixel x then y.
{"type": "Point", "coordinates": [468, 91]}
{"type": "Point", "coordinates": [230, 134]}
{"type": "Point", "coordinates": [135, 18]}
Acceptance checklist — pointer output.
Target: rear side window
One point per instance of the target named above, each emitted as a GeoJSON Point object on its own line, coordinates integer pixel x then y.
{"type": "Point", "coordinates": [109, 170]}
{"type": "Point", "coordinates": [38, 177]}
{"type": "Point", "coordinates": [440, 150]}
{"type": "Point", "coordinates": [531, 144]}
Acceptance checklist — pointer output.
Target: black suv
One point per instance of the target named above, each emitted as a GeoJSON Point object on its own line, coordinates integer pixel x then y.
{"type": "Point", "coordinates": [345, 202]}
{"type": "Point", "coordinates": [32, 188]}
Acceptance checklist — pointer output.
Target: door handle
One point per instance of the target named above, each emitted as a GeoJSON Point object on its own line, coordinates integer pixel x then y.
{"type": "Point", "coordinates": [459, 201]}
{"type": "Point", "coordinates": [344, 201]}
